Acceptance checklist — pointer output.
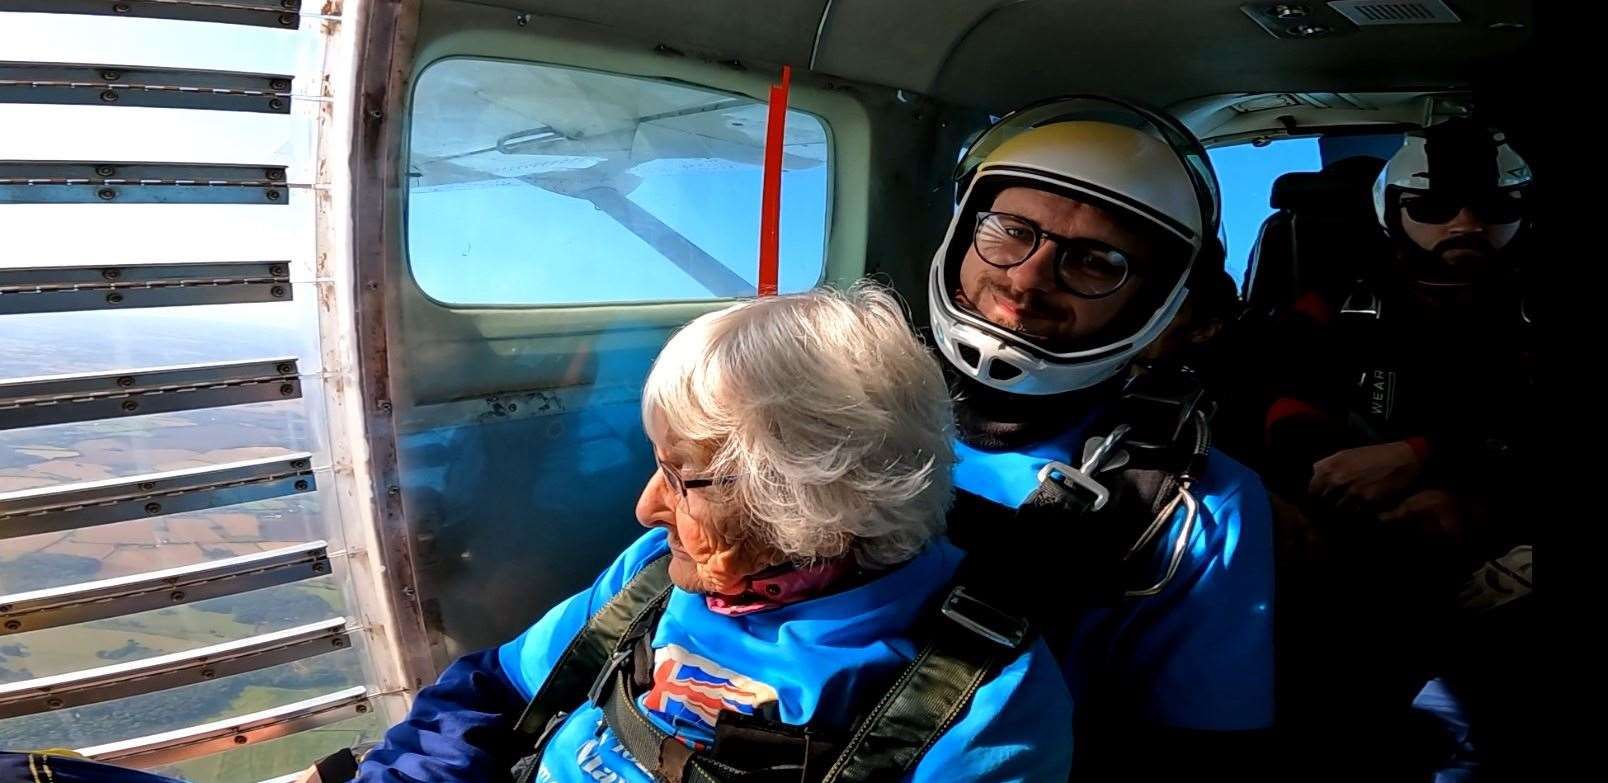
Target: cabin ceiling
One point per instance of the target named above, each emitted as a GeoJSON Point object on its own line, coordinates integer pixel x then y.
{"type": "Point", "coordinates": [999, 54]}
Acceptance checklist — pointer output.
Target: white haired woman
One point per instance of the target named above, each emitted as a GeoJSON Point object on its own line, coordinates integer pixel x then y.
{"type": "Point", "coordinates": [788, 578]}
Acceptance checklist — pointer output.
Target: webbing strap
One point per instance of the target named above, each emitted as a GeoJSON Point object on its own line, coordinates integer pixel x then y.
{"type": "Point", "coordinates": [923, 703]}
{"type": "Point", "coordinates": [578, 667]}
{"type": "Point", "coordinates": [666, 757]}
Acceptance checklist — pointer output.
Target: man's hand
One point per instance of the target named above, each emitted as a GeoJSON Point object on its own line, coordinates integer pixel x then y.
{"type": "Point", "coordinates": [1437, 512]}
{"type": "Point", "coordinates": [1366, 477]}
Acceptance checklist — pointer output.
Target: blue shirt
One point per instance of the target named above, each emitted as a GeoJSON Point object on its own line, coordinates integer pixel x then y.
{"type": "Point", "coordinates": [1199, 655]}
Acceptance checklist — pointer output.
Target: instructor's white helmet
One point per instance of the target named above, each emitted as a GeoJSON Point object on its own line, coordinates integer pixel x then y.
{"type": "Point", "coordinates": [1454, 156]}
{"type": "Point", "coordinates": [1126, 159]}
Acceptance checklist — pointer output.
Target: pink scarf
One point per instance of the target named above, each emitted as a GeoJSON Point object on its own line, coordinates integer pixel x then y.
{"type": "Point", "coordinates": [769, 590]}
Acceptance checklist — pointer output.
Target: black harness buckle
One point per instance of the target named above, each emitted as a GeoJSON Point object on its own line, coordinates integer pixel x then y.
{"type": "Point", "coordinates": [977, 616]}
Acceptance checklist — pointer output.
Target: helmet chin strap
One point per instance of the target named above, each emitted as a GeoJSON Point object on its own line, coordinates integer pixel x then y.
{"type": "Point", "coordinates": [993, 419]}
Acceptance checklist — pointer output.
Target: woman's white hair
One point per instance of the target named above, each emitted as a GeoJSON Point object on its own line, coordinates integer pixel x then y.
{"type": "Point", "coordinates": [830, 414]}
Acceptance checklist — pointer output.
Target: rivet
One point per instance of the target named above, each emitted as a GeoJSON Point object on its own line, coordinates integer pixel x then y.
{"type": "Point", "coordinates": [279, 84]}
{"type": "Point", "coordinates": [109, 96]}
{"type": "Point", "coordinates": [319, 567]}
{"type": "Point", "coordinates": [275, 174]}
{"type": "Point", "coordinates": [114, 297]}
{"type": "Point", "coordinates": [120, 8]}
{"type": "Point", "coordinates": [300, 464]}
{"type": "Point", "coordinates": [272, 195]}
{"type": "Point", "coordinates": [12, 625]}
{"type": "Point", "coordinates": [291, 4]}
{"type": "Point", "coordinates": [147, 486]}
{"type": "Point", "coordinates": [54, 702]}
{"type": "Point", "coordinates": [111, 76]}
{"type": "Point", "coordinates": [393, 490]}
{"type": "Point", "coordinates": [338, 642]}
{"type": "Point", "coordinates": [522, 19]}
{"type": "Point", "coordinates": [106, 194]}
{"type": "Point", "coordinates": [284, 368]}
{"type": "Point", "coordinates": [286, 20]}
{"type": "Point", "coordinates": [286, 389]}
{"type": "Point", "coordinates": [177, 595]}
{"type": "Point", "coordinates": [153, 508]}
{"type": "Point", "coordinates": [362, 708]}
{"type": "Point", "coordinates": [239, 739]}
{"type": "Point", "coordinates": [208, 674]}
{"type": "Point", "coordinates": [125, 381]}
{"type": "Point", "coordinates": [111, 274]}
{"type": "Point", "coordinates": [128, 405]}
{"type": "Point", "coordinates": [278, 270]}
{"type": "Point", "coordinates": [105, 171]}
{"type": "Point", "coordinates": [277, 291]}
{"type": "Point", "coordinates": [276, 104]}
{"type": "Point", "coordinates": [5, 607]}
{"type": "Point", "coordinates": [301, 486]}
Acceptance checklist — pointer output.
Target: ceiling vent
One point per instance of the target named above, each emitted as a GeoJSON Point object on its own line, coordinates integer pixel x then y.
{"type": "Point", "coordinates": [1380, 13]}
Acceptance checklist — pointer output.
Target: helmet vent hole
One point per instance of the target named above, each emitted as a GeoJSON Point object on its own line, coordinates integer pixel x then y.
{"type": "Point", "coordinates": [1003, 371]}
{"type": "Point", "coordinates": [969, 355]}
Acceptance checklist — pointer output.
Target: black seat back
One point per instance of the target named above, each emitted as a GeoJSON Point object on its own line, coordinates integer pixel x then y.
{"type": "Point", "coordinates": [1322, 236]}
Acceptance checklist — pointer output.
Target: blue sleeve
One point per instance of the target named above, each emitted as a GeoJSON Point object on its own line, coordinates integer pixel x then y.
{"type": "Point", "coordinates": [459, 729]}
{"type": "Point", "coordinates": [531, 655]}
{"type": "Point", "coordinates": [1017, 728]}
{"type": "Point", "coordinates": [462, 727]}
{"type": "Point", "coordinates": [1199, 656]}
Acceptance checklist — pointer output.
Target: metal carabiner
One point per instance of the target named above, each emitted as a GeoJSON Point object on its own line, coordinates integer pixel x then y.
{"type": "Point", "coordinates": [1191, 514]}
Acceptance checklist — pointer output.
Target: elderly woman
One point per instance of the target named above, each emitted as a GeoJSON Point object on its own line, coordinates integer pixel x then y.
{"type": "Point", "coordinates": [778, 620]}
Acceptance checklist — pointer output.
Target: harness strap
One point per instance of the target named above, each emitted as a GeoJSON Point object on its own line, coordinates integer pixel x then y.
{"type": "Point", "coordinates": [968, 641]}
{"type": "Point", "coordinates": [967, 645]}
{"type": "Point", "coordinates": [576, 671]}
{"type": "Point", "coordinates": [928, 697]}
{"type": "Point", "coordinates": [668, 759]}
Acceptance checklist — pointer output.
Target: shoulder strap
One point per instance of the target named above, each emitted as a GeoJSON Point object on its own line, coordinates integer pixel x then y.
{"type": "Point", "coordinates": [583, 661]}
{"type": "Point", "coordinates": [970, 641]}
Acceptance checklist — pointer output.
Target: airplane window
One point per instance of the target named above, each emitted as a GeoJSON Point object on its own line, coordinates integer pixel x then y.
{"type": "Point", "coordinates": [1246, 172]}
{"type": "Point", "coordinates": [539, 185]}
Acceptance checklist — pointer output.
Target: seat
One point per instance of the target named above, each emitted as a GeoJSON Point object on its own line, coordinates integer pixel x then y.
{"type": "Point", "coordinates": [1322, 236]}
